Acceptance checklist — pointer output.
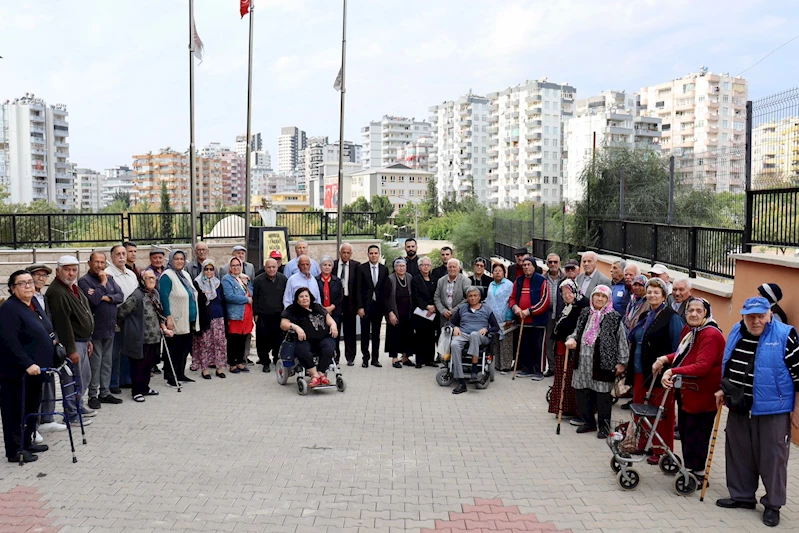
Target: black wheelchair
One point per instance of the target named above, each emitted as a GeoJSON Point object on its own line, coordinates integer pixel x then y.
{"type": "Point", "coordinates": [289, 366]}
{"type": "Point", "coordinates": [485, 376]}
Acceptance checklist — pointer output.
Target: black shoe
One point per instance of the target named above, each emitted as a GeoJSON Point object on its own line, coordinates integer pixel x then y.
{"type": "Point", "coordinates": [771, 517]}
{"type": "Point", "coordinates": [220, 374]}
{"type": "Point", "coordinates": [585, 428]}
{"type": "Point", "coordinates": [418, 365]}
{"type": "Point", "coordinates": [266, 368]}
{"type": "Point", "coordinates": [729, 503]}
{"type": "Point", "coordinates": [377, 364]}
{"type": "Point", "coordinates": [37, 448]}
{"type": "Point", "coordinates": [350, 363]}
{"type": "Point", "coordinates": [365, 364]}
{"type": "Point", "coordinates": [408, 363]}
{"type": "Point", "coordinates": [94, 403]}
{"type": "Point", "coordinates": [460, 389]}
{"type": "Point", "coordinates": [603, 434]}
{"type": "Point", "coordinates": [206, 376]}
{"type": "Point", "coordinates": [184, 379]}
{"type": "Point", "coordinates": [155, 370]}
{"type": "Point", "coordinates": [396, 364]}
{"type": "Point", "coordinates": [626, 406]}
{"type": "Point", "coordinates": [109, 399]}
{"type": "Point", "coordinates": [549, 374]}
{"type": "Point", "coordinates": [27, 457]}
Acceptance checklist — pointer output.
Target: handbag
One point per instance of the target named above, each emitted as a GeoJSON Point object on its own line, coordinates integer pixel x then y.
{"type": "Point", "coordinates": [288, 349]}
{"type": "Point", "coordinates": [59, 355]}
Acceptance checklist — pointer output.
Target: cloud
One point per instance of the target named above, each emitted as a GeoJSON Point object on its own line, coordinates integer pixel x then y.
{"type": "Point", "coordinates": [442, 48]}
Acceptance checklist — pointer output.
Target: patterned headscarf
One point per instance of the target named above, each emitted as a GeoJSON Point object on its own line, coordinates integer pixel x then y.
{"type": "Point", "coordinates": [687, 342]}
{"type": "Point", "coordinates": [596, 315]}
{"type": "Point", "coordinates": [208, 285]}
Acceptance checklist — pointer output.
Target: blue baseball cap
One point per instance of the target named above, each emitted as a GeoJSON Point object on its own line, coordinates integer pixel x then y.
{"type": "Point", "coordinates": [755, 306]}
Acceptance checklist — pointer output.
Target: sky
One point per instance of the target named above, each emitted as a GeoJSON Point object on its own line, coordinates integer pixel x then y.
{"type": "Point", "coordinates": [121, 66]}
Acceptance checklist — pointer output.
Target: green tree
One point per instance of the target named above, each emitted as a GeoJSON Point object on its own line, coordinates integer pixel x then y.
{"type": "Point", "coordinates": [166, 216]}
{"type": "Point", "coordinates": [360, 204]}
{"type": "Point", "coordinates": [382, 207]}
{"type": "Point", "coordinates": [122, 197]}
{"type": "Point", "coordinates": [473, 236]}
{"type": "Point", "coordinates": [430, 204]}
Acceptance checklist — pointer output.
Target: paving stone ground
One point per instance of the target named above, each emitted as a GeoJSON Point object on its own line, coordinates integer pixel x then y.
{"type": "Point", "coordinates": [393, 453]}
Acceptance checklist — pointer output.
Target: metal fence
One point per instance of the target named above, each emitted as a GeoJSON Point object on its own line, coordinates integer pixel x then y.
{"type": "Point", "coordinates": [57, 230]}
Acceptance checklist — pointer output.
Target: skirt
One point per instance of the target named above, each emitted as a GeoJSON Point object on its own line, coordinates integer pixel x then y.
{"type": "Point", "coordinates": [504, 352]}
{"type": "Point", "coordinates": [569, 401]}
{"type": "Point", "coordinates": [210, 348]}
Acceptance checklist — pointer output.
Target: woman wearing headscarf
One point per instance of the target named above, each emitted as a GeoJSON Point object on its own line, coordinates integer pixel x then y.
{"type": "Point", "coordinates": [424, 290]}
{"type": "Point", "coordinates": [398, 298]}
{"type": "Point", "coordinates": [497, 296]}
{"type": "Point", "coordinates": [773, 293]}
{"type": "Point", "coordinates": [602, 355]}
{"type": "Point", "coordinates": [316, 331]}
{"type": "Point", "coordinates": [209, 346]}
{"type": "Point", "coordinates": [657, 333]}
{"type": "Point", "coordinates": [143, 323]}
{"type": "Point", "coordinates": [699, 356]}
{"type": "Point", "coordinates": [638, 304]}
{"type": "Point", "coordinates": [331, 290]}
{"type": "Point", "coordinates": [565, 324]}
{"type": "Point", "coordinates": [179, 300]}
{"type": "Point", "coordinates": [237, 289]}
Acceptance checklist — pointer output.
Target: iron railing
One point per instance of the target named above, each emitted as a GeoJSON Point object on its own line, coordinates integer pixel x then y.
{"type": "Point", "coordinates": [775, 216]}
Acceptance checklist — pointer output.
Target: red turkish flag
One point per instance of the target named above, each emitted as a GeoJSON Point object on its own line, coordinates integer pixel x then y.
{"type": "Point", "coordinates": [245, 7]}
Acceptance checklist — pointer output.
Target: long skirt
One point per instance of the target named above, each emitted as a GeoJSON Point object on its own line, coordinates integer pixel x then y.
{"type": "Point", "coordinates": [504, 352]}
{"type": "Point", "coordinates": [399, 338]}
{"type": "Point", "coordinates": [666, 426]}
{"type": "Point", "coordinates": [569, 401]}
{"type": "Point", "coordinates": [210, 348]}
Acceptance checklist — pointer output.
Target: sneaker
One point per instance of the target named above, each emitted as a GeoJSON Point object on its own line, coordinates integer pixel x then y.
{"type": "Point", "coordinates": [94, 403]}
{"type": "Point", "coordinates": [538, 376]}
{"type": "Point", "coordinates": [110, 399]}
{"type": "Point", "coordinates": [37, 438]}
{"type": "Point", "coordinates": [523, 374]}
{"type": "Point", "coordinates": [575, 422]}
{"type": "Point", "coordinates": [52, 426]}
{"type": "Point", "coordinates": [75, 421]}
{"type": "Point", "coordinates": [87, 412]}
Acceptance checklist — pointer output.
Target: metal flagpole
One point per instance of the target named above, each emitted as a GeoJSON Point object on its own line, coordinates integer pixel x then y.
{"type": "Point", "coordinates": [192, 162]}
{"type": "Point", "coordinates": [341, 128]}
{"type": "Point", "coordinates": [247, 187]}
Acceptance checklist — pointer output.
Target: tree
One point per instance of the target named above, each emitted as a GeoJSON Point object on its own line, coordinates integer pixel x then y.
{"type": "Point", "coordinates": [430, 204]}
{"type": "Point", "coordinates": [360, 204]}
{"type": "Point", "coordinates": [123, 197]}
{"type": "Point", "coordinates": [473, 235]}
{"type": "Point", "coordinates": [382, 207]}
{"type": "Point", "coordinates": [166, 216]}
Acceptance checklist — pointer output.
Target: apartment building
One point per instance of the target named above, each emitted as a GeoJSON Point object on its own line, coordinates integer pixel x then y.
{"type": "Point", "coordinates": [240, 146]}
{"type": "Point", "coordinates": [416, 154]}
{"type": "Point", "coordinates": [171, 167]}
{"type": "Point", "coordinates": [117, 180]}
{"type": "Point", "coordinates": [34, 152]}
{"type": "Point", "coordinates": [234, 177]}
{"type": "Point", "coordinates": [265, 182]}
{"type": "Point", "coordinates": [292, 140]}
{"type": "Point", "coordinates": [458, 157]}
{"type": "Point", "coordinates": [383, 138]}
{"type": "Point", "coordinates": [606, 120]}
{"type": "Point", "coordinates": [87, 191]}
{"type": "Point", "coordinates": [702, 113]}
{"type": "Point", "coordinates": [400, 183]}
{"type": "Point", "coordinates": [526, 143]}
{"type": "Point", "coordinates": [320, 152]}
{"type": "Point", "coordinates": [775, 152]}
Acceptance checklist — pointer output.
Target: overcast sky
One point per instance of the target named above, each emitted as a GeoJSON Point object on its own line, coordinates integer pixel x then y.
{"type": "Point", "coordinates": [122, 66]}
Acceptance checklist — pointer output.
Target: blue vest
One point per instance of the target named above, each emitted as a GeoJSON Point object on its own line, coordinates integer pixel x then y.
{"type": "Point", "coordinates": [535, 295]}
{"type": "Point", "coordinates": [773, 387]}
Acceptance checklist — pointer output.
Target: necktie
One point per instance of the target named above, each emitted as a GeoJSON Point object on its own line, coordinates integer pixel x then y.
{"type": "Point", "coordinates": [374, 281]}
{"type": "Point", "coordinates": [343, 273]}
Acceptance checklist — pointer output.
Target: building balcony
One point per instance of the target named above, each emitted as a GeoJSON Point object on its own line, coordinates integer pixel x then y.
{"type": "Point", "coordinates": [533, 111]}
{"type": "Point", "coordinates": [493, 165]}
{"type": "Point", "coordinates": [493, 188]}
{"type": "Point", "coordinates": [514, 151]}
{"type": "Point", "coordinates": [39, 172]}
{"type": "Point", "coordinates": [532, 186]}
{"type": "Point", "coordinates": [62, 123]}
{"type": "Point", "coordinates": [464, 188]}
{"type": "Point", "coordinates": [514, 175]}
{"type": "Point", "coordinates": [617, 130]}
{"type": "Point", "coordinates": [533, 99]}
{"type": "Point", "coordinates": [647, 132]}
{"type": "Point", "coordinates": [61, 144]}
{"type": "Point", "coordinates": [534, 124]}
{"type": "Point", "coordinates": [534, 160]}
{"type": "Point", "coordinates": [38, 151]}
{"type": "Point", "coordinates": [533, 136]}
{"type": "Point", "coordinates": [493, 152]}
{"type": "Point", "coordinates": [532, 174]}
{"type": "Point", "coordinates": [39, 119]}
{"type": "Point", "coordinates": [712, 102]}
{"type": "Point", "coordinates": [533, 149]}
{"type": "Point", "coordinates": [465, 123]}
{"type": "Point", "coordinates": [493, 129]}
{"type": "Point", "coordinates": [464, 110]}
{"type": "Point", "coordinates": [493, 119]}
{"type": "Point", "coordinates": [465, 166]}
{"type": "Point", "coordinates": [493, 108]}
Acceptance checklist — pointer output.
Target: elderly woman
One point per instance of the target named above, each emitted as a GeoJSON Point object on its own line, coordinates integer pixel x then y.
{"type": "Point", "coordinates": [472, 321]}
{"type": "Point", "coordinates": [637, 304]}
{"type": "Point", "coordinates": [316, 331]}
{"type": "Point", "coordinates": [237, 289]}
{"type": "Point", "coordinates": [398, 299]}
{"type": "Point", "coordinates": [699, 359]}
{"type": "Point", "coordinates": [26, 344]}
{"type": "Point", "coordinates": [602, 355]}
{"type": "Point", "coordinates": [142, 323]}
{"type": "Point", "coordinates": [565, 324]}
{"type": "Point", "coordinates": [331, 291]}
{"type": "Point", "coordinates": [480, 279]}
{"type": "Point", "coordinates": [179, 300]}
{"type": "Point", "coordinates": [424, 289]}
{"type": "Point", "coordinates": [497, 295]}
{"type": "Point", "coordinates": [209, 347]}
{"type": "Point", "coordinates": [657, 333]}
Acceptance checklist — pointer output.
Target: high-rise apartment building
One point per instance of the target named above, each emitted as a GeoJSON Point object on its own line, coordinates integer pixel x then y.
{"type": "Point", "coordinates": [240, 146]}
{"type": "Point", "coordinates": [526, 128]}
{"type": "Point", "coordinates": [291, 141]}
{"type": "Point", "coordinates": [702, 113]}
{"type": "Point", "coordinates": [171, 167]}
{"type": "Point", "coordinates": [34, 152]}
{"type": "Point", "coordinates": [262, 158]}
{"type": "Point", "coordinates": [319, 153]}
{"type": "Point", "coordinates": [234, 177]}
{"type": "Point", "coordinates": [606, 120]}
{"type": "Point", "coordinates": [416, 155]}
{"type": "Point", "coordinates": [775, 152]}
{"type": "Point", "coordinates": [383, 138]}
{"type": "Point", "coordinates": [458, 157]}
{"type": "Point", "coordinates": [115, 184]}
{"type": "Point", "coordinates": [87, 191]}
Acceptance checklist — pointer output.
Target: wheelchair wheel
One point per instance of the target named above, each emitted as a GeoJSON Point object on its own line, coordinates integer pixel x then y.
{"type": "Point", "coordinates": [444, 377]}
{"type": "Point", "coordinates": [630, 480]}
{"type": "Point", "coordinates": [549, 394]}
{"type": "Point", "coordinates": [302, 386]}
{"type": "Point", "coordinates": [341, 385]}
{"type": "Point", "coordinates": [484, 381]}
{"type": "Point", "coordinates": [281, 373]}
{"type": "Point", "coordinates": [685, 485]}
{"type": "Point", "coordinates": [491, 370]}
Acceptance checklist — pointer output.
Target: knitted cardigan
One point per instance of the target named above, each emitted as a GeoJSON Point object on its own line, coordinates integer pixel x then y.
{"type": "Point", "coordinates": [606, 346]}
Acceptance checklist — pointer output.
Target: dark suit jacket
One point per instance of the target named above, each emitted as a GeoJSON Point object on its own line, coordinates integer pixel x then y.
{"type": "Point", "coordinates": [24, 338]}
{"type": "Point", "coordinates": [336, 293]}
{"type": "Point", "coordinates": [366, 289]}
{"type": "Point", "coordinates": [352, 299]}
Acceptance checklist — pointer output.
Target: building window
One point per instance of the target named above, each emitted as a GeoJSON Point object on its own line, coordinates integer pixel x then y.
{"type": "Point", "coordinates": [402, 179]}
{"type": "Point", "coordinates": [725, 111]}
{"type": "Point", "coordinates": [725, 123]}
{"type": "Point", "coordinates": [411, 179]}
{"type": "Point", "coordinates": [724, 136]}
{"type": "Point", "coordinates": [546, 105]}
{"type": "Point", "coordinates": [546, 142]}
{"type": "Point", "coordinates": [554, 180]}
{"type": "Point", "coordinates": [546, 179]}
{"type": "Point", "coordinates": [392, 179]}
{"type": "Point", "coordinates": [726, 85]}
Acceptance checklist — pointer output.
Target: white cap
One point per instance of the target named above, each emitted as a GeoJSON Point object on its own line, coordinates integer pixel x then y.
{"type": "Point", "coordinates": [658, 269]}
{"type": "Point", "coordinates": [239, 247]}
{"type": "Point", "coordinates": [66, 260]}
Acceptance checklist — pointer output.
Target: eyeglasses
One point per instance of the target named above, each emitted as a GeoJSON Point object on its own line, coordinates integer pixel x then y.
{"type": "Point", "coordinates": [40, 275]}
{"type": "Point", "coordinates": [553, 262]}
{"type": "Point", "coordinates": [24, 283]}
{"type": "Point", "coordinates": [208, 268]}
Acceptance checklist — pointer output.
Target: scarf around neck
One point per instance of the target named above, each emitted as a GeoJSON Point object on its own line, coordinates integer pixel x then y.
{"type": "Point", "coordinates": [208, 285]}
{"type": "Point", "coordinates": [594, 318]}
{"type": "Point", "coordinates": [688, 340]}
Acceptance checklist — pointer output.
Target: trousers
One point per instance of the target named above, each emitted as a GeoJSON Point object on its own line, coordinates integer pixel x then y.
{"type": "Point", "coordinates": [532, 348]}
{"type": "Point", "coordinates": [588, 401]}
{"type": "Point", "coordinates": [179, 347]}
{"type": "Point", "coordinates": [474, 340]}
{"type": "Point", "coordinates": [101, 364]}
{"type": "Point", "coordinates": [370, 333]}
{"type": "Point", "coordinates": [268, 337]}
{"type": "Point", "coordinates": [11, 405]}
{"type": "Point", "coordinates": [140, 368]}
{"type": "Point", "coordinates": [325, 349]}
{"type": "Point", "coordinates": [83, 370]}
{"type": "Point", "coordinates": [695, 432]}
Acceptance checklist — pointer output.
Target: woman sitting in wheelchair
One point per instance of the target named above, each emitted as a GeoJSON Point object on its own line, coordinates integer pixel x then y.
{"type": "Point", "coordinates": [471, 322]}
{"type": "Point", "coordinates": [315, 330]}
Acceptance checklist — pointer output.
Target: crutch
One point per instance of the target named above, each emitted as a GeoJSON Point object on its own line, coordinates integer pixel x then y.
{"type": "Point", "coordinates": [518, 348]}
{"type": "Point", "coordinates": [169, 358]}
{"type": "Point", "coordinates": [562, 390]}
{"type": "Point", "coordinates": [710, 453]}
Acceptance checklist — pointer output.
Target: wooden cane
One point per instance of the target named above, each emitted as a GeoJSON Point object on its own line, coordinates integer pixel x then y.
{"type": "Point", "coordinates": [710, 453]}
{"type": "Point", "coordinates": [518, 348]}
{"type": "Point", "coordinates": [562, 390]}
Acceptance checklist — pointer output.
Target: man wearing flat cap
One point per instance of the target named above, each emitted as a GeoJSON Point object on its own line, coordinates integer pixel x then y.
{"type": "Point", "coordinates": [514, 271]}
{"type": "Point", "coordinates": [239, 252]}
{"type": "Point", "coordinates": [760, 386]}
{"type": "Point", "coordinates": [157, 261]}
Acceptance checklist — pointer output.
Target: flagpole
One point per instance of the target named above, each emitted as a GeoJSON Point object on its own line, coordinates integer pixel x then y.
{"type": "Point", "coordinates": [341, 128]}
{"type": "Point", "coordinates": [247, 188]}
{"type": "Point", "coordinates": [192, 162]}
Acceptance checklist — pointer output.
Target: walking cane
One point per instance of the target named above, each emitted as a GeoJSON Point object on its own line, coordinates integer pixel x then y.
{"type": "Point", "coordinates": [562, 390]}
{"type": "Point", "coordinates": [710, 453]}
{"type": "Point", "coordinates": [169, 358]}
{"type": "Point", "coordinates": [518, 347]}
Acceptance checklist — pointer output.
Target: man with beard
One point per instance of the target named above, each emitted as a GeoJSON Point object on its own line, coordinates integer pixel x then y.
{"type": "Point", "coordinates": [411, 259]}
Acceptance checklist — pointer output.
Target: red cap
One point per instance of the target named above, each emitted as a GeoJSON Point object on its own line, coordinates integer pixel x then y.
{"type": "Point", "coordinates": [275, 254]}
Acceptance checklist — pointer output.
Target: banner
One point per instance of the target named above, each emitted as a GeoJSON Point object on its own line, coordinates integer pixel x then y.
{"type": "Point", "coordinates": [331, 196]}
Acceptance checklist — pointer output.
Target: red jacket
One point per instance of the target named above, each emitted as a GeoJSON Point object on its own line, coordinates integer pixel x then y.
{"type": "Point", "coordinates": [703, 362]}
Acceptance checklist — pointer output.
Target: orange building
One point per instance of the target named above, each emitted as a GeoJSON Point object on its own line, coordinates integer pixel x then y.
{"type": "Point", "coordinates": [171, 167]}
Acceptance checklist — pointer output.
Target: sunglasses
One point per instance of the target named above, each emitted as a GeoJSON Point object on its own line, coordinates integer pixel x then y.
{"type": "Point", "coordinates": [553, 262]}
{"type": "Point", "coordinates": [208, 268]}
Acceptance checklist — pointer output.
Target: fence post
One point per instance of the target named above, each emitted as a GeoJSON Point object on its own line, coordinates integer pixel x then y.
{"type": "Point", "coordinates": [621, 194]}
{"type": "Point", "coordinates": [747, 247]}
{"type": "Point", "coordinates": [532, 228]}
{"type": "Point", "coordinates": [671, 190]}
{"type": "Point", "coordinates": [543, 222]}
{"type": "Point", "coordinates": [49, 232]}
{"type": "Point", "coordinates": [14, 230]}
{"type": "Point", "coordinates": [126, 216]}
{"type": "Point", "coordinates": [694, 252]}
{"type": "Point", "coordinates": [654, 251]}
{"type": "Point", "coordinates": [623, 239]}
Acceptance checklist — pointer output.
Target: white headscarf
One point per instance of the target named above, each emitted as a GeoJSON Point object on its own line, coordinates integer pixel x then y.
{"type": "Point", "coordinates": [208, 285]}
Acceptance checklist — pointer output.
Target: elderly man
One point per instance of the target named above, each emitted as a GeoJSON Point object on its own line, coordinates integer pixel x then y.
{"type": "Point", "coordinates": [530, 302]}
{"type": "Point", "coordinates": [300, 249]}
{"type": "Point", "coordinates": [515, 270]}
{"type": "Point", "coordinates": [248, 269]}
{"type": "Point", "coordinates": [128, 282]}
{"type": "Point", "coordinates": [372, 278]}
{"type": "Point", "coordinates": [571, 269]}
{"type": "Point", "coordinates": [301, 278]}
{"type": "Point", "coordinates": [104, 296]}
{"type": "Point", "coordinates": [267, 305]}
{"type": "Point", "coordinates": [554, 276]}
{"type": "Point", "coordinates": [74, 323]}
{"type": "Point", "coordinates": [195, 267]}
{"type": "Point", "coordinates": [591, 277]}
{"type": "Point", "coordinates": [346, 269]}
{"type": "Point", "coordinates": [156, 262]}
{"type": "Point", "coordinates": [131, 251]}
{"type": "Point", "coordinates": [681, 291]}
{"type": "Point", "coordinates": [472, 322]}
{"type": "Point", "coordinates": [450, 291]}
{"type": "Point", "coordinates": [760, 386]}
{"type": "Point", "coordinates": [621, 289]}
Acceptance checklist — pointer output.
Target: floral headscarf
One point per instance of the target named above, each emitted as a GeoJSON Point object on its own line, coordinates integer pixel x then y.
{"type": "Point", "coordinates": [595, 316]}
{"type": "Point", "coordinates": [688, 340]}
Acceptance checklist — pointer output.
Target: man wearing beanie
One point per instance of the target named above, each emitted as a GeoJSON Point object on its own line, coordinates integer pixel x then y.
{"type": "Point", "coordinates": [773, 293]}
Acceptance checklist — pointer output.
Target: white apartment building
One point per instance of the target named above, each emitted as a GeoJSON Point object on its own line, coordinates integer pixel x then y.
{"type": "Point", "coordinates": [702, 113]}
{"type": "Point", "coordinates": [383, 138]}
{"type": "Point", "coordinates": [525, 150]}
{"type": "Point", "coordinates": [458, 157]}
{"type": "Point", "coordinates": [240, 146]}
{"type": "Point", "coordinates": [775, 152]}
{"type": "Point", "coordinates": [87, 191]}
{"type": "Point", "coordinates": [34, 152]}
{"type": "Point", "coordinates": [319, 153]}
{"type": "Point", "coordinates": [292, 140]}
{"type": "Point", "coordinates": [327, 175]}
{"type": "Point", "coordinates": [261, 158]}
{"type": "Point", "coordinates": [400, 183]}
{"type": "Point", "coordinates": [610, 120]}
{"type": "Point", "coordinates": [416, 154]}
{"type": "Point", "coordinates": [117, 180]}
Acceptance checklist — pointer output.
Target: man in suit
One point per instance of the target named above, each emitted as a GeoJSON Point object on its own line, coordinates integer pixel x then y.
{"type": "Point", "coordinates": [514, 271]}
{"type": "Point", "coordinates": [372, 277]}
{"type": "Point", "coordinates": [346, 269]}
{"type": "Point", "coordinates": [450, 290]}
{"type": "Point", "coordinates": [681, 291]}
{"type": "Point", "coordinates": [441, 271]}
{"type": "Point", "coordinates": [248, 268]}
{"type": "Point", "coordinates": [591, 277]}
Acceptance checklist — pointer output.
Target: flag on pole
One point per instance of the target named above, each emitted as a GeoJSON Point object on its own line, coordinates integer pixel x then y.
{"type": "Point", "coordinates": [245, 7]}
{"type": "Point", "coordinates": [337, 83]}
{"type": "Point", "coordinates": [196, 43]}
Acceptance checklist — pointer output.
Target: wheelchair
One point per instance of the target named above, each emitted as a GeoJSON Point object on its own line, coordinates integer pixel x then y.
{"type": "Point", "coordinates": [485, 359]}
{"type": "Point", "coordinates": [289, 366]}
